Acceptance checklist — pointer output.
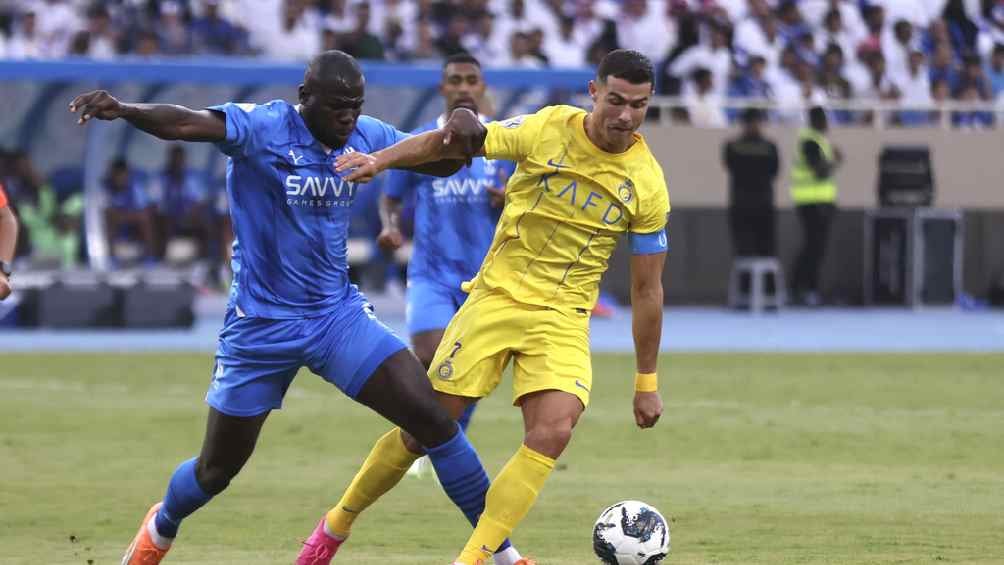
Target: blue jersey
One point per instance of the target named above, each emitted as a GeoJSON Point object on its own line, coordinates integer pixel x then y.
{"type": "Point", "coordinates": [290, 210]}
{"type": "Point", "coordinates": [454, 219]}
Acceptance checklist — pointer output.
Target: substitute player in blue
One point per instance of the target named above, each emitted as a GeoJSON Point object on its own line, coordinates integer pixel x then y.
{"type": "Point", "coordinates": [455, 221]}
{"type": "Point", "coordinates": [291, 303]}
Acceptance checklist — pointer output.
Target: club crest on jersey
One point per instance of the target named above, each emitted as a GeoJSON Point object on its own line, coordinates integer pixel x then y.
{"type": "Point", "coordinates": [626, 191]}
{"type": "Point", "coordinates": [445, 370]}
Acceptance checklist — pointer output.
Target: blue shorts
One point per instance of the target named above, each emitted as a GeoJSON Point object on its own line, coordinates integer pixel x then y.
{"type": "Point", "coordinates": [431, 305]}
{"type": "Point", "coordinates": [257, 358]}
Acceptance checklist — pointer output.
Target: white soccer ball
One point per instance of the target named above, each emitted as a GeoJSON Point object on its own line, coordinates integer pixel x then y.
{"type": "Point", "coordinates": [631, 533]}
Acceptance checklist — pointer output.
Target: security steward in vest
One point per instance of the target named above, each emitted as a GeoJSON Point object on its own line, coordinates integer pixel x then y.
{"type": "Point", "coordinates": [814, 194]}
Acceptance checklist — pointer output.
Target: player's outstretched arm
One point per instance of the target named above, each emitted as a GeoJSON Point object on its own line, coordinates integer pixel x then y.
{"type": "Point", "coordinates": [646, 322]}
{"type": "Point", "coordinates": [166, 121]}
{"type": "Point", "coordinates": [461, 138]}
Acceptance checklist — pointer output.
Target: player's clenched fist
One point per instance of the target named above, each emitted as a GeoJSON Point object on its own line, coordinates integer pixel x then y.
{"type": "Point", "coordinates": [390, 239]}
{"type": "Point", "coordinates": [647, 408]}
{"type": "Point", "coordinates": [97, 104]}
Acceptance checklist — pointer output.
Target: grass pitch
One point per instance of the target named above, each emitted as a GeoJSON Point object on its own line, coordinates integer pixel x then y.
{"type": "Point", "coordinates": [759, 459]}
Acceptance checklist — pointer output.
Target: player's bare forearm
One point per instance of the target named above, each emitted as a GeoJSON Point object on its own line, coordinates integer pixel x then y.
{"type": "Point", "coordinates": [166, 121]}
{"type": "Point", "coordinates": [390, 212]}
{"type": "Point", "coordinates": [171, 122]}
{"type": "Point", "coordinates": [646, 309]}
{"type": "Point", "coordinates": [8, 234]}
{"type": "Point", "coordinates": [646, 325]}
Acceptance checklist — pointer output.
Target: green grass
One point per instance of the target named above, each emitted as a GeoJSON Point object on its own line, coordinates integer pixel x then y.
{"type": "Point", "coordinates": [759, 459]}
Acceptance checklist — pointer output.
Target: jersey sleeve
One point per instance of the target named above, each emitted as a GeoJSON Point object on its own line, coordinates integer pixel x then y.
{"type": "Point", "coordinates": [648, 228]}
{"type": "Point", "coordinates": [244, 125]}
{"type": "Point", "coordinates": [513, 139]}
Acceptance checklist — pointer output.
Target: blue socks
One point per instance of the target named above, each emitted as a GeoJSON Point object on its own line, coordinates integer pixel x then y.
{"type": "Point", "coordinates": [463, 477]}
{"type": "Point", "coordinates": [184, 496]}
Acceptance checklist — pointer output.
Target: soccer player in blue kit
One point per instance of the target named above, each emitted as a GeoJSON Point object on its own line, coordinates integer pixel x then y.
{"type": "Point", "coordinates": [291, 303]}
{"type": "Point", "coordinates": [455, 221]}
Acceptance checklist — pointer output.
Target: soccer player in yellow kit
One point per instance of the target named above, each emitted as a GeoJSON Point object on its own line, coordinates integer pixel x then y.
{"type": "Point", "coordinates": [582, 181]}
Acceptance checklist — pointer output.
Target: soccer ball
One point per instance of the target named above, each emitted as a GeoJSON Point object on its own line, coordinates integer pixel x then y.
{"type": "Point", "coordinates": [631, 533]}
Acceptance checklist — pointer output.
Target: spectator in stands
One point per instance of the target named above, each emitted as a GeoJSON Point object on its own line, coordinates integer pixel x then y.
{"type": "Point", "coordinates": [831, 75]}
{"type": "Point", "coordinates": [752, 163]}
{"type": "Point", "coordinates": [483, 42]}
{"type": "Point", "coordinates": [213, 34]}
{"type": "Point", "coordinates": [940, 96]}
{"type": "Point", "coordinates": [451, 40]}
{"type": "Point", "coordinates": [360, 43]}
{"type": "Point", "coordinates": [973, 78]}
{"type": "Point", "coordinates": [792, 24]}
{"type": "Point", "coordinates": [292, 36]}
{"type": "Point", "coordinates": [704, 106]}
{"type": "Point", "coordinates": [147, 44]}
{"type": "Point", "coordinates": [56, 22]}
{"type": "Point", "coordinates": [182, 204]}
{"type": "Point", "coordinates": [759, 36]}
{"type": "Point", "coordinates": [915, 87]}
{"type": "Point", "coordinates": [337, 16]}
{"type": "Point", "coordinates": [26, 42]}
{"type": "Point", "coordinates": [102, 38]}
{"type": "Point", "coordinates": [129, 210]}
{"type": "Point", "coordinates": [51, 222]}
{"type": "Point", "coordinates": [641, 26]}
{"type": "Point", "coordinates": [814, 193]}
{"type": "Point", "coordinates": [943, 66]}
{"type": "Point", "coordinates": [714, 56]}
{"type": "Point", "coordinates": [8, 243]}
{"type": "Point", "coordinates": [972, 119]}
{"type": "Point", "coordinates": [836, 33]}
{"type": "Point", "coordinates": [753, 83]}
{"type": "Point", "coordinates": [566, 50]}
{"type": "Point", "coordinates": [173, 34]}
{"type": "Point", "coordinates": [995, 71]}
{"type": "Point", "coordinates": [520, 55]}
{"type": "Point", "coordinates": [897, 48]}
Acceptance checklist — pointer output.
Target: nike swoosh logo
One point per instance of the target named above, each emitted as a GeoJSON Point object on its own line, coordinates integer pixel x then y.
{"type": "Point", "coordinates": [551, 163]}
{"type": "Point", "coordinates": [579, 384]}
{"type": "Point", "coordinates": [349, 510]}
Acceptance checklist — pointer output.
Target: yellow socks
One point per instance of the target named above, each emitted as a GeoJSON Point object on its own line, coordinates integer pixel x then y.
{"type": "Point", "coordinates": [509, 499]}
{"type": "Point", "coordinates": [384, 467]}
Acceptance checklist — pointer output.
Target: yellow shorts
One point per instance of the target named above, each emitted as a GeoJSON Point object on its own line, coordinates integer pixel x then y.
{"type": "Point", "coordinates": [549, 349]}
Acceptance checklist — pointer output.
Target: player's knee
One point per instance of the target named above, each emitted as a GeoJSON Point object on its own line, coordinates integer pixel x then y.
{"type": "Point", "coordinates": [213, 478]}
{"type": "Point", "coordinates": [411, 443]}
{"type": "Point", "coordinates": [435, 426]}
{"type": "Point", "coordinates": [549, 439]}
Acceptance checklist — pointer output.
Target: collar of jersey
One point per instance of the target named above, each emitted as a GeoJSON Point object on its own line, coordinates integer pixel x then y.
{"type": "Point", "coordinates": [303, 132]}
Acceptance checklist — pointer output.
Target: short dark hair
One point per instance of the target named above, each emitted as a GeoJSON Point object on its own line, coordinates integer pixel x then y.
{"type": "Point", "coordinates": [461, 58]}
{"type": "Point", "coordinates": [626, 64]}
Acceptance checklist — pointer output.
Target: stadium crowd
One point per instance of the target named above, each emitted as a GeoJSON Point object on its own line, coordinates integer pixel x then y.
{"type": "Point", "coordinates": [915, 52]}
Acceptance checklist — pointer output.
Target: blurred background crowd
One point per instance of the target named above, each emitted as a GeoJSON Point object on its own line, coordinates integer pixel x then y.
{"type": "Point", "coordinates": [916, 53]}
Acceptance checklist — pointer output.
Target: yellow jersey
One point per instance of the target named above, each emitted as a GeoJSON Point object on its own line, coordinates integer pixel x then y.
{"type": "Point", "coordinates": [566, 206]}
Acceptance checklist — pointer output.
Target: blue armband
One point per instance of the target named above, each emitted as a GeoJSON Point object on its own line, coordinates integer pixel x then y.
{"type": "Point", "coordinates": [649, 243]}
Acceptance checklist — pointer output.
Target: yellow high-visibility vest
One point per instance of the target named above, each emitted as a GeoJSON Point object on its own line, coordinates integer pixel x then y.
{"type": "Point", "coordinates": [806, 187]}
